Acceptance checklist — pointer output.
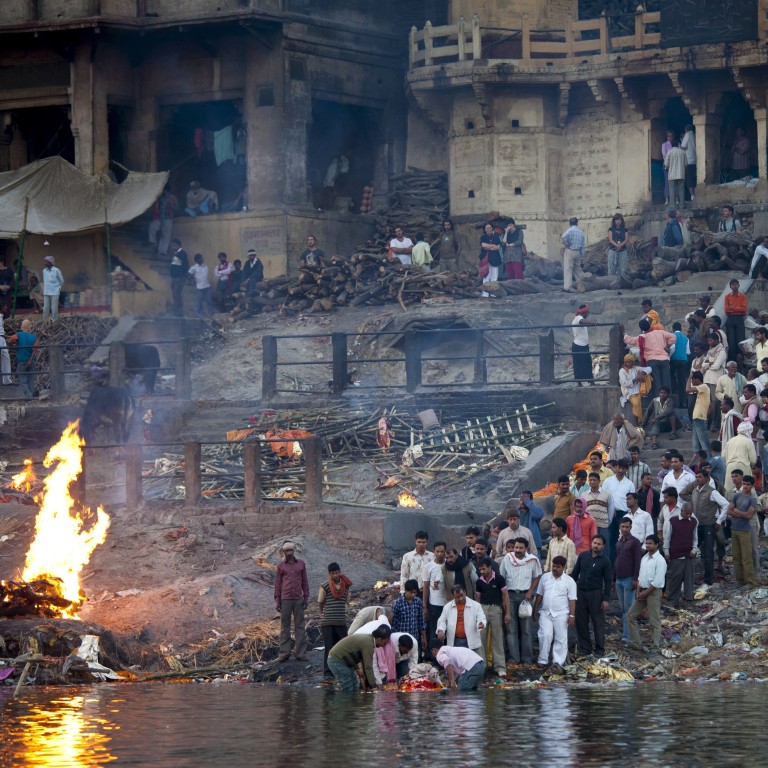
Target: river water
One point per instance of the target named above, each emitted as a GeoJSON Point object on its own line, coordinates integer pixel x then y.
{"type": "Point", "coordinates": [189, 725]}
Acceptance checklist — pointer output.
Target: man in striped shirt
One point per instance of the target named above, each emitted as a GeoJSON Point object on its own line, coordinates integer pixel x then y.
{"type": "Point", "coordinates": [573, 240]}
{"type": "Point", "coordinates": [333, 597]}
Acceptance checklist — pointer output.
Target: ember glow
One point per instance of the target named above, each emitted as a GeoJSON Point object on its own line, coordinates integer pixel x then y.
{"type": "Point", "coordinates": [65, 533]}
{"type": "Point", "coordinates": [26, 479]}
{"type": "Point", "coordinates": [405, 499]}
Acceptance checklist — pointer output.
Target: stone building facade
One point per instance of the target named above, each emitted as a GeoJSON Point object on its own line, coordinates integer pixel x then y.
{"type": "Point", "coordinates": [541, 115]}
{"type": "Point", "coordinates": [252, 98]}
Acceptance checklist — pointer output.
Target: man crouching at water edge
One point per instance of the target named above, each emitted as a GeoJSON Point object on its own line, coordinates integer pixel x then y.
{"type": "Point", "coordinates": [464, 667]}
{"type": "Point", "coordinates": [353, 650]}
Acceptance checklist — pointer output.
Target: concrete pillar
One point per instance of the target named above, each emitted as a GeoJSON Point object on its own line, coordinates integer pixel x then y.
{"type": "Point", "coordinates": [707, 149]}
{"type": "Point", "coordinates": [81, 103]}
{"type": "Point", "coordinates": [100, 121]}
{"type": "Point", "coordinates": [761, 118]}
{"type": "Point", "coordinates": [298, 119]}
{"type": "Point", "coordinates": [263, 113]}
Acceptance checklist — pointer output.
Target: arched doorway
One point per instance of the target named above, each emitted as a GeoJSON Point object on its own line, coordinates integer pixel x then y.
{"type": "Point", "coordinates": [674, 116]}
{"type": "Point", "coordinates": [738, 138]}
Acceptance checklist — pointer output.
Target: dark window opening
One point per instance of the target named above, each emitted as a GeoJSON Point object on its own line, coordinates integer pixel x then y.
{"type": "Point", "coordinates": [297, 69]}
{"type": "Point", "coordinates": [118, 123]}
{"type": "Point", "coordinates": [515, 123]}
{"type": "Point", "coordinates": [471, 193]}
{"type": "Point", "coordinates": [518, 190]}
{"type": "Point", "coordinates": [266, 97]}
{"type": "Point", "coordinates": [45, 131]}
{"type": "Point", "coordinates": [470, 125]}
{"type": "Point", "coordinates": [205, 142]}
{"type": "Point", "coordinates": [738, 125]}
{"type": "Point", "coordinates": [341, 153]}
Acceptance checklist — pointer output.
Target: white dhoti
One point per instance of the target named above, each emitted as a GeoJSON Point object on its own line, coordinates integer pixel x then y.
{"type": "Point", "coordinates": [553, 628]}
{"type": "Point", "coordinates": [5, 362]}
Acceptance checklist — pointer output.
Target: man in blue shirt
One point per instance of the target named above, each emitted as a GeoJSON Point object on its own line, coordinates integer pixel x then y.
{"type": "Point", "coordinates": [26, 352]}
{"type": "Point", "coordinates": [573, 240]}
{"type": "Point", "coordinates": [408, 613]}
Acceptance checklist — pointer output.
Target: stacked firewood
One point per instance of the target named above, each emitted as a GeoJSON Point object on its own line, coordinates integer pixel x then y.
{"type": "Point", "coordinates": [705, 252]}
{"type": "Point", "coordinates": [368, 277]}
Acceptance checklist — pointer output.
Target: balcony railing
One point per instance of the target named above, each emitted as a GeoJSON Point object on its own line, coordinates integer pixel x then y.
{"type": "Point", "coordinates": [467, 41]}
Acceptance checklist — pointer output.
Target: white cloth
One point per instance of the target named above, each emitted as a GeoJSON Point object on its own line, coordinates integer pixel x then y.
{"type": "Point", "coordinates": [432, 574]}
{"type": "Point", "coordinates": [580, 333]}
{"type": "Point", "coordinates": [412, 567]}
{"type": "Point", "coordinates": [200, 273]}
{"type": "Point", "coordinates": [678, 483]}
{"type": "Point", "coordinates": [406, 242]}
{"type": "Point", "coordinates": [367, 629]}
{"type": "Point", "coordinates": [474, 621]}
{"type": "Point", "coordinates": [555, 594]}
{"type": "Point", "coordinates": [689, 145]}
{"type": "Point", "coordinates": [653, 571]}
{"type": "Point", "coordinates": [364, 615]}
{"type": "Point", "coordinates": [5, 361]}
{"type": "Point", "coordinates": [461, 659]}
{"type": "Point", "coordinates": [617, 491]}
{"type": "Point", "coordinates": [761, 250]}
{"type": "Point", "coordinates": [519, 574]}
{"type": "Point", "coordinates": [52, 281]}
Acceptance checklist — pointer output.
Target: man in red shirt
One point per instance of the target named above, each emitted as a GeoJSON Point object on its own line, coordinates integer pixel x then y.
{"type": "Point", "coordinates": [291, 598]}
{"type": "Point", "coordinates": [735, 314]}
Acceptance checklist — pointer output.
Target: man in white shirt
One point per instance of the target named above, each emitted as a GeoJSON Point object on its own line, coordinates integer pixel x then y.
{"type": "Point", "coordinates": [465, 668]}
{"type": "Point", "coordinates": [560, 546]}
{"type": "Point", "coordinates": [679, 476]}
{"type": "Point", "coordinates": [401, 246]}
{"type": "Point", "coordinates": [522, 572]}
{"type": "Point", "coordinates": [759, 265]}
{"type": "Point", "coordinates": [406, 653]}
{"type": "Point", "coordinates": [433, 590]}
{"type": "Point", "coordinates": [203, 301]}
{"type": "Point", "coordinates": [689, 145]}
{"type": "Point", "coordinates": [650, 585]}
{"type": "Point", "coordinates": [449, 628]}
{"type": "Point", "coordinates": [412, 564]}
{"type": "Point", "coordinates": [617, 488]}
{"type": "Point", "coordinates": [555, 609]}
{"type": "Point", "coordinates": [642, 522]}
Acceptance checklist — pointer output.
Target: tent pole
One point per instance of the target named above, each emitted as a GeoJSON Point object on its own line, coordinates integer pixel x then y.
{"type": "Point", "coordinates": [109, 259]}
{"type": "Point", "coordinates": [21, 257]}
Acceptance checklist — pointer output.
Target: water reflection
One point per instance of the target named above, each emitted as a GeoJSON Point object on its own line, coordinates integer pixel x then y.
{"type": "Point", "coordinates": [191, 726]}
{"type": "Point", "coordinates": [69, 730]}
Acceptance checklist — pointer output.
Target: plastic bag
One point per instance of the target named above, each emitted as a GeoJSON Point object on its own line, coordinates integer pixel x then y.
{"type": "Point", "coordinates": [525, 610]}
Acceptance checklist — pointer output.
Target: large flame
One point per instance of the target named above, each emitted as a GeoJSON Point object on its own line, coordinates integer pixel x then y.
{"type": "Point", "coordinates": [63, 545]}
{"type": "Point", "coordinates": [405, 499]}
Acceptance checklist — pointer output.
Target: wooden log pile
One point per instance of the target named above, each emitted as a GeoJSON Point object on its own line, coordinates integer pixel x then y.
{"type": "Point", "coordinates": [706, 252]}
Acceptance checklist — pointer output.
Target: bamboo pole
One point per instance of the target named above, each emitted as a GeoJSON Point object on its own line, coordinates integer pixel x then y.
{"type": "Point", "coordinates": [21, 256]}
{"type": "Point", "coordinates": [109, 258]}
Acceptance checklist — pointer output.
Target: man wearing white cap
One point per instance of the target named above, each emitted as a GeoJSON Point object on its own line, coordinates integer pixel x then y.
{"type": "Point", "coordinates": [52, 282]}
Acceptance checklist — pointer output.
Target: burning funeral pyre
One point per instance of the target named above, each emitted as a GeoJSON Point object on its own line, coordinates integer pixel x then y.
{"type": "Point", "coordinates": [66, 533]}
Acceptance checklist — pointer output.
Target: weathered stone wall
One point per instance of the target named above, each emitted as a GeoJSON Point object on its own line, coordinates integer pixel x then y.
{"type": "Point", "coordinates": [544, 14]}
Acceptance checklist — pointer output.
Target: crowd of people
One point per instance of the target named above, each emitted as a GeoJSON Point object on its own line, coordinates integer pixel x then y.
{"type": "Point", "coordinates": [529, 589]}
